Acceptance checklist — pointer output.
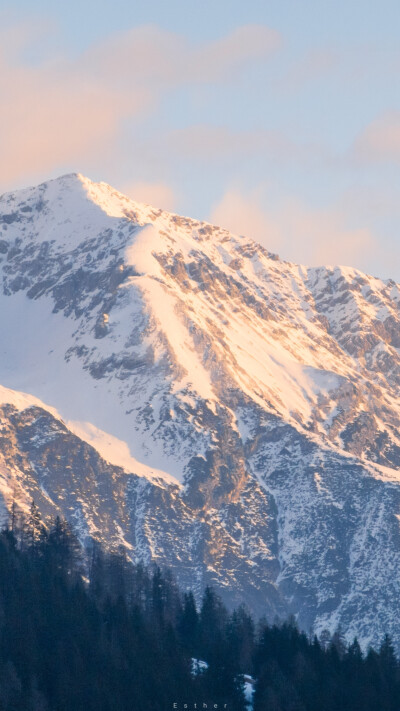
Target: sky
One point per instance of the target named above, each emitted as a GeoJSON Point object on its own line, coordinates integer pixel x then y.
{"type": "Point", "coordinates": [277, 119]}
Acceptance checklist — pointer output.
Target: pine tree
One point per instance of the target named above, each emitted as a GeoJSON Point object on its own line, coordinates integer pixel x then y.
{"type": "Point", "coordinates": [35, 528]}
{"type": "Point", "coordinates": [213, 618]}
{"type": "Point", "coordinates": [64, 552]}
{"type": "Point", "coordinates": [241, 635]}
{"type": "Point", "coordinates": [188, 624]}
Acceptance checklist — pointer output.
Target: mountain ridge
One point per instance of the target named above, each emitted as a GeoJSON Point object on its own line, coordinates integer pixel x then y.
{"type": "Point", "coordinates": [254, 401]}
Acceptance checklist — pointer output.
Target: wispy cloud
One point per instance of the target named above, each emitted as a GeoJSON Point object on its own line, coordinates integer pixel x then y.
{"type": "Point", "coordinates": [380, 141]}
{"type": "Point", "coordinates": [151, 54]}
{"type": "Point", "coordinates": [156, 194]}
{"type": "Point", "coordinates": [65, 110]}
{"type": "Point", "coordinates": [56, 113]}
{"type": "Point", "coordinates": [205, 142]}
{"type": "Point", "coordinates": [296, 231]}
{"type": "Point", "coordinates": [314, 65]}
{"type": "Point", "coordinates": [222, 148]}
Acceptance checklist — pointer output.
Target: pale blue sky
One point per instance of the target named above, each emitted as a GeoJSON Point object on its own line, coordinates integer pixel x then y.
{"type": "Point", "coordinates": [279, 119]}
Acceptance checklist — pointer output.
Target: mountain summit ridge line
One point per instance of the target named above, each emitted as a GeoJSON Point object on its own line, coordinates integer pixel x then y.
{"type": "Point", "coordinates": [188, 387]}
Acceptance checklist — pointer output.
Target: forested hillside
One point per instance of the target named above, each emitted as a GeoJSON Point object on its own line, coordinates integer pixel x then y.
{"type": "Point", "coordinates": [93, 632]}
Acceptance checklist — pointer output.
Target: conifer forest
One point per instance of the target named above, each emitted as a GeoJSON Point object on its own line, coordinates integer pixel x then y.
{"type": "Point", "coordinates": [90, 631]}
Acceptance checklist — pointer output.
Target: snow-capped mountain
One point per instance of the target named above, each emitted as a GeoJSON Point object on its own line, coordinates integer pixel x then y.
{"type": "Point", "coordinates": [179, 390]}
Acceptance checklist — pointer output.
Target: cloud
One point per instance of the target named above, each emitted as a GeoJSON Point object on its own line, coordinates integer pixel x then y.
{"type": "Point", "coordinates": [156, 194]}
{"type": "Point", "coordinates": [314, 65]}
{"type": "Point", "coordinates": [243, 214]}
{"type": "Point", "coordinates": [297, 232]}
{"type": "Point", "coordinates": [146, 55]}
{"type": "Point", "coordinates": [17, 37]}
{"type": "Point", "coordinates": [55, 117]}
{"type": "Point", "coordinates": [380, 141]}
{"type": "Point", "coordinates": [65, 112]}
{"type": "Point", "coordinates": [220, 59]}
{"type": "Point", "coordinates": [57, 113]}
{"type": "Point", "coordinates": [223, 146]}
{"type": "Point", "coordinates": [150, 54]}
{"type": "Point", "coordinates": [207, 143]}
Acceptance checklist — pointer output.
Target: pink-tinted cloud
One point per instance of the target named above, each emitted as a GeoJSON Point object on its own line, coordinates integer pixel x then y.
{"type": "Point", "coordinates": [211, 144]}
{"type": "Point", "coordinates": [150, 54]}
{"type": "Point", "coordinates": [380, 141]}
{"type": "Point", "coordinates": [156, 194]}
{"type": "Point", "coordinates": [244, 214]}
{"type": "Point", "coordinates": [142, 55]}
{"type": "Point", "coordinates": [55, 118]}
{"type": "Point", "coordinates": [315, 64]}
{"type": "Point", "coordinates": [297, 232]}
{"type": "Point", "coordinates": [57, 113]}
{"type": "Point", "coordinates": [219, 59]}
{"type": "Point", "coordinates": [16, 38]}
{"type": "Point", "coordinates": [68, 112]}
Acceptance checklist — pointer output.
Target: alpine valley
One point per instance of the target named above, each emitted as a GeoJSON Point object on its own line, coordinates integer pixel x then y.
{"type": "Point", "coordinates": [179, 391]}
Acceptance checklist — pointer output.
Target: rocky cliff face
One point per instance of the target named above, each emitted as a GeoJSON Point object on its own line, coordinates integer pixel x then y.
{"type": "Point", "coordinates": [180, 391]}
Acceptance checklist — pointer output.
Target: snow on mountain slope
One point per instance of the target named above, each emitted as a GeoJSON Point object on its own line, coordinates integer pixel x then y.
{"type": "Point", "coordinates": [208, 311]}
{"type": "Point", "coordinates": [183, 353]}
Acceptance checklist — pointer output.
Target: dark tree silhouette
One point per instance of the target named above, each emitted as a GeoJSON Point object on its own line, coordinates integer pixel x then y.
{"type": "Point", "coordinates": [95, 633]}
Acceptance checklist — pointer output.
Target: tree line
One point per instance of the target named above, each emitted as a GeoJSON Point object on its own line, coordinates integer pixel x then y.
{"type": "Point", "coordinates": [90, 631]}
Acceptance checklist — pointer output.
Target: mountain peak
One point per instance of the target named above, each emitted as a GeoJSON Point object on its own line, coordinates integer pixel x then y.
{"type": "Point", "coordinates": [173, 348]}
{"type": "Point", "coordinates": [214, 312]}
